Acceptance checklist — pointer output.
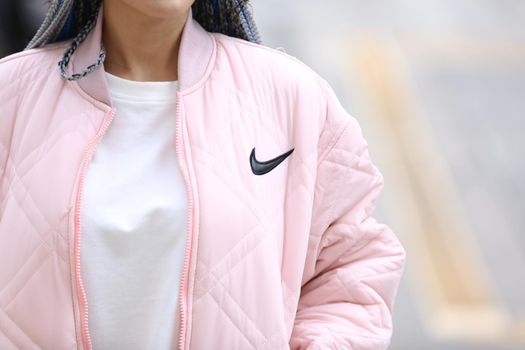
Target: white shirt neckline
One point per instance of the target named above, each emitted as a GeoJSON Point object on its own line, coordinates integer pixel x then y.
{"type": "Point", "coordinates": [142, 91]}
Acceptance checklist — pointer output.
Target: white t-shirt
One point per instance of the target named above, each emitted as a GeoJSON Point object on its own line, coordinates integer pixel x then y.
{"type": "Point", "coordinates": [133, 219]}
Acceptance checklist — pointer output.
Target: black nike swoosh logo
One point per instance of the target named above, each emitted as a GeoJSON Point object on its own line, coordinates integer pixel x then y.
{"type": "Point", "coordinates": [260, 168]}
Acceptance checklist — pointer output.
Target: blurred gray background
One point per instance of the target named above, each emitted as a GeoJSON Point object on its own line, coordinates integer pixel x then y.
{"type": "Point", "coordinates": [439, 90]}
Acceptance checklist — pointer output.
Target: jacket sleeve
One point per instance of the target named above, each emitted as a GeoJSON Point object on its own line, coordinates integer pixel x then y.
{"type": "Point", "coordinates": [354, 263]}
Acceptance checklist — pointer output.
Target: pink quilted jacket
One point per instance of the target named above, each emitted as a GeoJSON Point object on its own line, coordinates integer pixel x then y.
{"type": "Point", "coordinates": [282, 251]}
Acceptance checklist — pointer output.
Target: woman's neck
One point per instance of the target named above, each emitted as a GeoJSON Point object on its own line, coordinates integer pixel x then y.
{"type": "Point", "coordinates": [139, 47]}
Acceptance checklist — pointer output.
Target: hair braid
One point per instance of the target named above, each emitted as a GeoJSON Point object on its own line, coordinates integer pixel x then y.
{"type": "Point", "coordinates": [74, 19]}
{"type": "Point", "coordinates": [229, 17]}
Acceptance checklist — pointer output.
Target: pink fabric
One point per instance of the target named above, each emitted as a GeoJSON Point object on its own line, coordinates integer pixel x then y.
{"type": "Point", "coordinates": [292, 259]}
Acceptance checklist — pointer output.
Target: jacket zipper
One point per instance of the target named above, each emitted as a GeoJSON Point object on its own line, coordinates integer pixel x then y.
{"type": "Point", "coordinates": [189, 231]}
{"type": "Point", "coordinates": [81, 294]}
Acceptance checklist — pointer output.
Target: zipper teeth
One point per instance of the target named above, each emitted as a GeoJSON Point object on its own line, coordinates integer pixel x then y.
{"type": "Point", "coordinates": [86, 338]}
{"type": "Point", "coordinates": [189, 238]}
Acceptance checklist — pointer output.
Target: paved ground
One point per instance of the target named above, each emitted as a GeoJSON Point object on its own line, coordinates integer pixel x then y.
{"type": "Point", "coordinates": [438, 87]}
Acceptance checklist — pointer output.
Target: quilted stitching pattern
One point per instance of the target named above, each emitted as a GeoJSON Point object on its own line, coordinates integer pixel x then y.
{"type": "Point", "coordinates": [227, 264]}
{"type": "Point", "coordinates": [272, 252]}
{"type": "Point", "coordinates": [36, 174]}
{"type": "Point", "coordinates": [36, 261]}
{"type": "Point", "coordinates": [215, 280]}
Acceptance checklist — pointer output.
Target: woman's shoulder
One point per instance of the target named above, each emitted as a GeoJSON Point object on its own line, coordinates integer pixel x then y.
{"type": "Point", "coordinates": [270, 70]}
{"type": "Point", "coordinates": [253, 58]}
{"type": "Point", "coordinates": [20, 64]}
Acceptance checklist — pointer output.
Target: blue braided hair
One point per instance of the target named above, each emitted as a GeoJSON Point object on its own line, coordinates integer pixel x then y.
{"type": "Point", "coordinates": [230, 17]}
{"type": "Point", "coordinates": [65, 19]}
{"type": "Point", "coordinates": [68, 19]}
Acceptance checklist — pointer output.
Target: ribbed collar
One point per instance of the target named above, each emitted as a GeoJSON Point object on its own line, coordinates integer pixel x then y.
{"type": "Point", "coordinates": [195, 53]}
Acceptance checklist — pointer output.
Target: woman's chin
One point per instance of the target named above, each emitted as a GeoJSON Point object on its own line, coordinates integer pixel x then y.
{"type": "Point", "coordinates": [162, 9]}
